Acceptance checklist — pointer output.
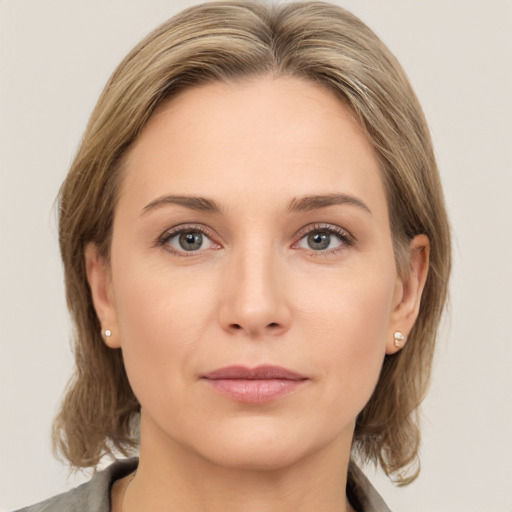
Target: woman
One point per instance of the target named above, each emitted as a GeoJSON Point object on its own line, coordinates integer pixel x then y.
{"type": "Point", "coordinates": [256, 254]}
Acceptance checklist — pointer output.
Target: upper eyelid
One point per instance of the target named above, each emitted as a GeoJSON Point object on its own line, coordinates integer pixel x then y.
{"type": "Point", "coordinates": [332, 228]}
{"type": "Point", "coordinates": [180, 228]}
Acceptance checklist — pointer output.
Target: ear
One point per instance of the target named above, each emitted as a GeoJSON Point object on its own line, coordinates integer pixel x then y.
{"type": "Point", "coordinates": [99, 277]}
{"type": "Point", "coordinates": [407, 297]}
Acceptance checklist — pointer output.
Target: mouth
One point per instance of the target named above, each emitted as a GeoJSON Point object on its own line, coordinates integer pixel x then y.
{"type": "Point", "coordinates": [254, 385]}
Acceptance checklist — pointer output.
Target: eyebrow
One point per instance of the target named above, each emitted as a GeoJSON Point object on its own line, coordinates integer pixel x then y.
{"type": "Point", "coordinates": [302, 204]}
{"type": "Point", "coordinates": [200, 204]}
{"type": "Point", "coordinates": [309, 203]}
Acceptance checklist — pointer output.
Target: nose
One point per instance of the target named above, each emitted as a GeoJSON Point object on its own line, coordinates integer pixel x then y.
{"type": "Point", "coordinates": [253, 297]}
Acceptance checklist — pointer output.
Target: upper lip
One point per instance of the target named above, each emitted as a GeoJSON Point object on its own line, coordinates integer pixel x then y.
{"type": "Point", "coordinates": [263, 372]}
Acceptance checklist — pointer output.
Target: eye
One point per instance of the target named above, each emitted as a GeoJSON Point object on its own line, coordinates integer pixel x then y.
{"type": "Point", "coordinates": [325, 239]}
{"type": "Point", "coordinates": [187, 240]}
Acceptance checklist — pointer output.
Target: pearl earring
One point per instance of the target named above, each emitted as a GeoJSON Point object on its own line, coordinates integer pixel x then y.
{"type": "Point", "coordinates": [108, 333]}
{"type": "Point", "coordinates": [399, 339]}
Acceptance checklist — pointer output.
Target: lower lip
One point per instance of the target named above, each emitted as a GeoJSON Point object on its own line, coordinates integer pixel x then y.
{"type": "Point", "coordinates": [255, 391]}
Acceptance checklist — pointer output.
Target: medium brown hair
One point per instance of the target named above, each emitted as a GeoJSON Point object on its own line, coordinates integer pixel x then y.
{"type": "Point", "coordinates": [226, 41]}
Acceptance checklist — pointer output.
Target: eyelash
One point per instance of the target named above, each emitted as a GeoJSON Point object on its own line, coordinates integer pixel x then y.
{"type": "Point", "coordinates": [345, 238]}
{"type": "Point", "coordinates": [163, 240]}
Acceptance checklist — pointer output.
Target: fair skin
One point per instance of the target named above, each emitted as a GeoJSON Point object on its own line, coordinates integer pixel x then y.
{"type": "Point", "coordinates": [267, 278]}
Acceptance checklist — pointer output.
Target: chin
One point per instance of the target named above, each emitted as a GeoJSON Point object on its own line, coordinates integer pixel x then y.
{"type": "Point", "coordinates": [255, 457]}
{"type": "Point", "coordinates": [261, 447]}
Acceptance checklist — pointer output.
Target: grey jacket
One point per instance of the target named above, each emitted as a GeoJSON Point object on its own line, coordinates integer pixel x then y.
{"type": "Point", "coordinates": [94, 495]}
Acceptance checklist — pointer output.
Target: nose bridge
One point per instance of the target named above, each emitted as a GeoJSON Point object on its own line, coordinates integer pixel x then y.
{"type": "Point", "coordinates": [255, 302]}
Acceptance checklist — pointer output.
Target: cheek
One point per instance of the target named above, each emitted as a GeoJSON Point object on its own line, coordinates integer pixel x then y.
{"type": "Point", "coordinates": [161, 316]}
{"type": "Point", "coordinates": [347, 322]}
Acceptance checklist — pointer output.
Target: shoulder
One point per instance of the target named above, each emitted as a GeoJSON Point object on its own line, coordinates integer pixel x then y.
{"type": "Point", "coordinates": [361, 493]}
{"type": "Point", "coordinates": [92, 496]}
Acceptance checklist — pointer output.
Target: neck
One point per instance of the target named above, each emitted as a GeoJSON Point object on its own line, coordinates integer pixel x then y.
{"type": "Point", "coordinates": [173, 474]}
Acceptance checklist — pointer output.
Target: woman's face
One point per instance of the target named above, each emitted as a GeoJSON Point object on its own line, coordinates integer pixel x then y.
{"type": "Point", "coordinates": [251, 231]}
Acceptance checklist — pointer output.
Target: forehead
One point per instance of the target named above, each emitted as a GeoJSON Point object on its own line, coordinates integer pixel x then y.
{"type": "Point", "coordinates": [281, 137]}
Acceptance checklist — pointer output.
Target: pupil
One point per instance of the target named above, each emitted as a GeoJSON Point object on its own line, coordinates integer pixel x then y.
{"type": "Point", "coordinates": [191, 241]}
{"type": "Point", "coordinates": [319, 240]}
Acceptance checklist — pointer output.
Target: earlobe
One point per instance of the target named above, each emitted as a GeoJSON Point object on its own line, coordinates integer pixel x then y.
{"type": "Point", "coordinates": [100, 283]}
{"type": "Point", "coordinates": [408, 294]}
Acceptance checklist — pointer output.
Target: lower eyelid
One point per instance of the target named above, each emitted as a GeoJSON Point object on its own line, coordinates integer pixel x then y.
{"type": "Point", "coordinates": [341, 243]}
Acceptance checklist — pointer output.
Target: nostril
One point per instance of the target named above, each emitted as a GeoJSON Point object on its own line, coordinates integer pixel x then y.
{"type": "Point", "coordinates": [238, 327]}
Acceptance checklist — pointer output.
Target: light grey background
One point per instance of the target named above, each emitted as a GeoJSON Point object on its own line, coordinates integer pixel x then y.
{"type": "Point", "coordinates": [55, 57]}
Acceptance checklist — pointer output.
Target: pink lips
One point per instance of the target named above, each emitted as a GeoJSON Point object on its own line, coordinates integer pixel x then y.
{"type": "Point", "coordinates": [256, 385]}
